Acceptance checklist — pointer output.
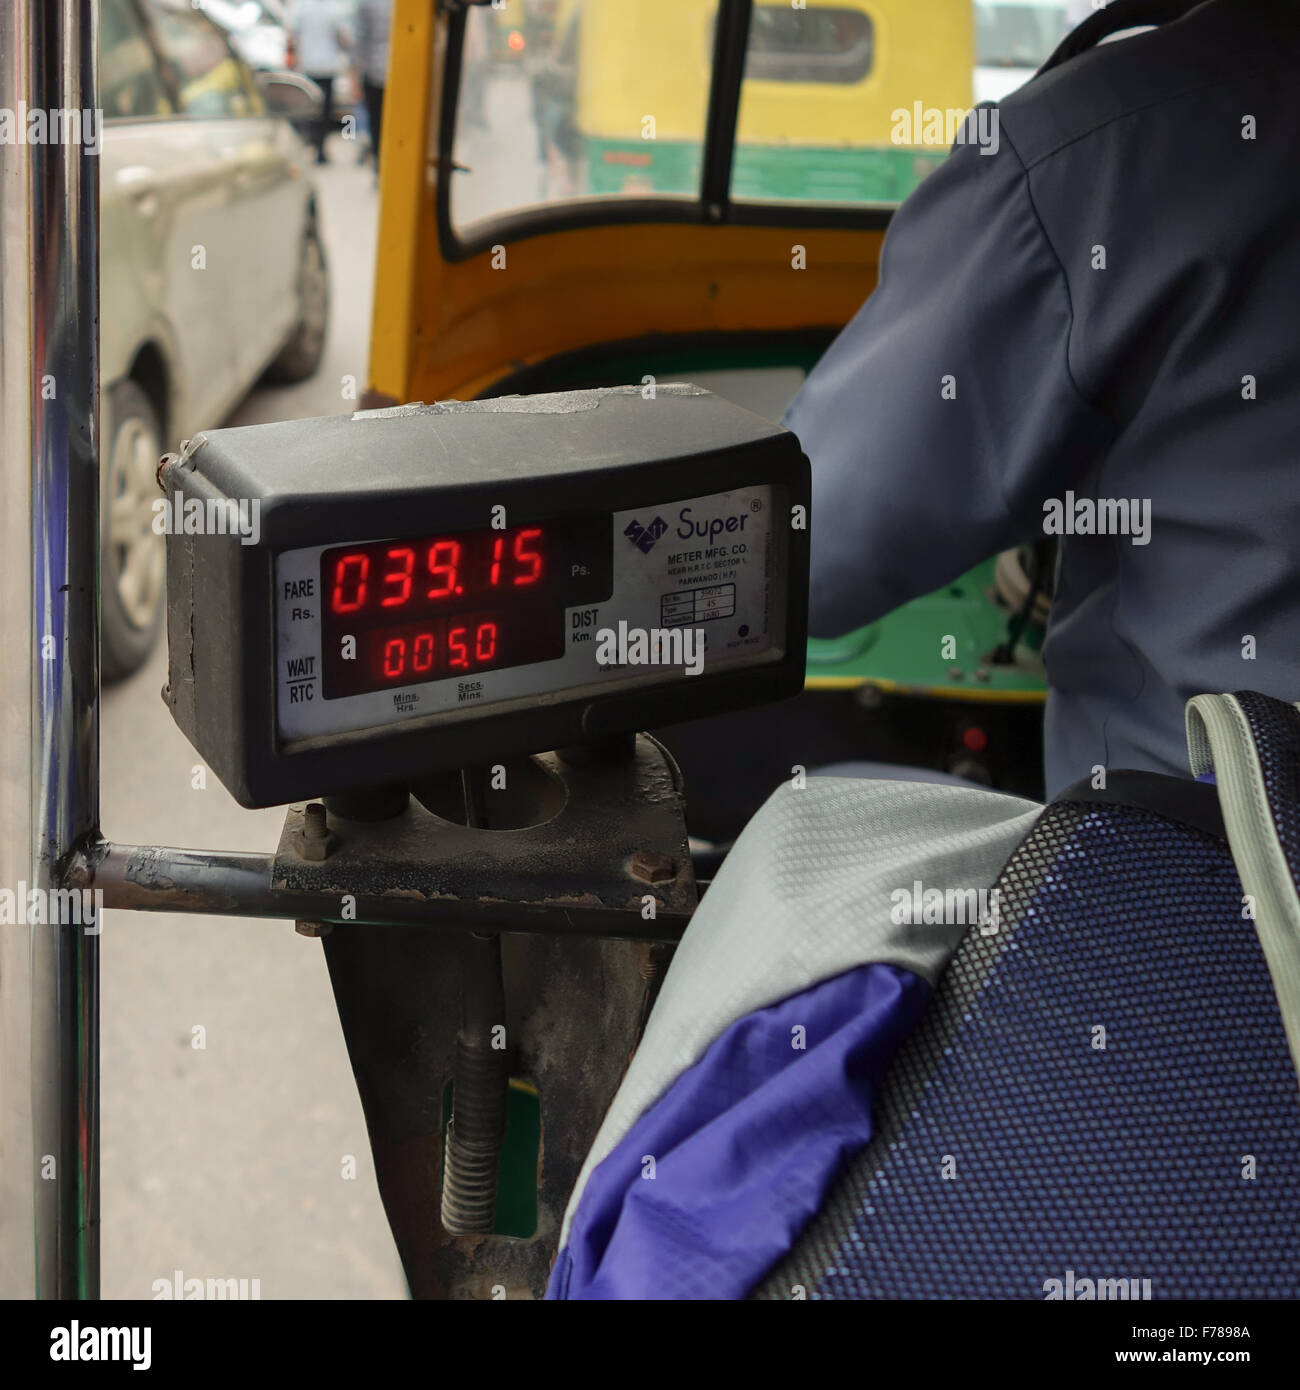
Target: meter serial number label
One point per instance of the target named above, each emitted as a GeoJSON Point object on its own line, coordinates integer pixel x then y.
{"type": "Point", "coordinates": [383, 631]}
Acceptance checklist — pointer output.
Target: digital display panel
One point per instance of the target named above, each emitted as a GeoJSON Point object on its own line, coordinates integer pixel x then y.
{"type": "Point", "coordinates": [403, 612]}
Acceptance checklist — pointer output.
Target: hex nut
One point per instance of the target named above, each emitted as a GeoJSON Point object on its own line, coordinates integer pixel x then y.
{"type": "Point", "coordinates": [653, 866]}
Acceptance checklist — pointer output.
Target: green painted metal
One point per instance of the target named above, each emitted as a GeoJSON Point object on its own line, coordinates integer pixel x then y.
{"type": "Point", "coordinates": [827, 175]}
{"type": "Point", "coordinates": [815, 174]}
{"type": "Point", "coordinates": [642, 166]}
{"type": "Point", "coordinates": [906, 649]}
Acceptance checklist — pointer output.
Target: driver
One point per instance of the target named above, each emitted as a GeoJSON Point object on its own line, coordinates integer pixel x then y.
{"type": "Point", "coordinates": [1085, 326]}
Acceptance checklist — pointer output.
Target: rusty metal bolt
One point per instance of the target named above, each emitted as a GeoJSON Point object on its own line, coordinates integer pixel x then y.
{"type": "Point", "coordinates": [164, 464]}
{"type": "Point", "coordinates": [313, 928]}
{"type": "Point", "coordinates": [315, 841]}
{"type": "Point", "coordinates": [653, 866]}
{"type": "Point", "coordinates": [654, 963]}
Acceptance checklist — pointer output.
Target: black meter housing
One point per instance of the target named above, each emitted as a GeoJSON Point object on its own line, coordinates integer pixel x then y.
{"type": "Point", "coordinates": [357, 600]}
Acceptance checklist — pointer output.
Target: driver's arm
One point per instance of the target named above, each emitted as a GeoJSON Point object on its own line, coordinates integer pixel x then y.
{"type": "Point", "coordinates": [945, 413]}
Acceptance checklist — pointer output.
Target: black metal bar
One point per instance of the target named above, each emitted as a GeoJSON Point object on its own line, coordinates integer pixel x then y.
{"type": "Point", "coordinates": [473, 781]}
{"type": "Point", "coordinates": [730, 45]}
{"type": "Point", "coordinates": [231, 883]}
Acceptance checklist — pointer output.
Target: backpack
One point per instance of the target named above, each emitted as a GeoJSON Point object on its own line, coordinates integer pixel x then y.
{"type": "Point", "coordinates": [1086, 1087]}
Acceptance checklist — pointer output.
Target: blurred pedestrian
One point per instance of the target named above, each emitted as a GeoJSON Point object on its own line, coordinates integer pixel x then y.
{"type": "Point", "coordinates": [365, 141]}
{"type": "Point", "coordinates": [321, 41]}
{"type": "Point", "coordinates": [372, 21]}
{"type": "Point", "coordinates": [474, 61]}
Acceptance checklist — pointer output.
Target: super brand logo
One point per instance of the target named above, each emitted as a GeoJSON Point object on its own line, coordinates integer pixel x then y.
{"type": "Point", "coordinates": [644, 537]}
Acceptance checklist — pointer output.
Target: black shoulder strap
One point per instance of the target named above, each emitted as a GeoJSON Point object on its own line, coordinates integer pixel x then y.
{"type": "Point", "coordinates": [1176, 799]}
{"type": "Point", "coordinates": [1119, 14]}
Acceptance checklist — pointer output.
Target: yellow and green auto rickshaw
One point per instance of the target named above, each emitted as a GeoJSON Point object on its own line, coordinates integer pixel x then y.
{"type": "Point", "coordinates": [620, 102]}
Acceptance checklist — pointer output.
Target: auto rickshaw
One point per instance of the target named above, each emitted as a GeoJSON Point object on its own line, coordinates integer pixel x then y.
{"type": "Point", "coordinates": [442, 909]}
{"type": "Point", "coordinates": [734, 276]}
{"type": "Point", "coordinates": [620, 106]}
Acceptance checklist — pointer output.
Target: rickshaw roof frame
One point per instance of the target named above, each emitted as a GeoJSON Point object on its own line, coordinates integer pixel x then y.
{"type": "Point", "coordinates": [712, 206]}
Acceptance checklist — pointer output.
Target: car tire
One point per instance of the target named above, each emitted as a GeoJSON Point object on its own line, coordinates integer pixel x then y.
{"type": "Point", "coordinates": [299, 358]}
{"type": "Point", "coordinates": [132, 580]}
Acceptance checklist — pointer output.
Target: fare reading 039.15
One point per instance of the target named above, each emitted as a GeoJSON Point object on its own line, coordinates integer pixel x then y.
{"type": "Point", "coordinates": [439, 606]}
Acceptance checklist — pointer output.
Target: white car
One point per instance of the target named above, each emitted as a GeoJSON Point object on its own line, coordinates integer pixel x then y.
{"type": "Point", "coordinates": [256, 30]}
{"type": "Point", "coordinates": [212, 271]}
{"type": "Point", "coordinates": [259, 32]}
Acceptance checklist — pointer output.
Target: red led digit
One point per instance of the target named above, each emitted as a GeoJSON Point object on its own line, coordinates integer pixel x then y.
{"type": "Point", "coordinates": [485, 642]}
{"type": "Point", "coordinates": [498, 549]}
{"type": "Point", "coordinates": [525, 556]}
{"type": "Point", "coordinates": [394, 657]}
{"type": "Point", "coordinates": [444, 560]}
{"type": "Point", "coordinates": [422, 656]}
{"type": "Point", "coordinates": [400, 575]}
{"type": "Point", "coordinates": [350, 588]}
{"type": "Point", "coordinates": [457, 647]}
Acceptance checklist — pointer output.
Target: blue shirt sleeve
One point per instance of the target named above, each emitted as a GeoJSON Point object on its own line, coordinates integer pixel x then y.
{"type": "Point", "coordinates": [945, 413]}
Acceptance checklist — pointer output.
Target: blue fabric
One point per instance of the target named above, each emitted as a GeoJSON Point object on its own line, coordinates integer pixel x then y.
{"type": "Point", "coordinates": [1165, 1150]}
{"type": "Point", "coordinates": [1171, 375]}
{"type": "Point", "coordinates": [745, 1145]}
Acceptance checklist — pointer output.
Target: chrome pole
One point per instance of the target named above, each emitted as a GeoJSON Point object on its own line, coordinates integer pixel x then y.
{"type": "Point", "coordinates": [49, 657]}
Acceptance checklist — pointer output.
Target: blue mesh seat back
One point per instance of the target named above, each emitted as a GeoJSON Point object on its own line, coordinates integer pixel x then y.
{"type": "Point", "coordinates": [1100, 1090]}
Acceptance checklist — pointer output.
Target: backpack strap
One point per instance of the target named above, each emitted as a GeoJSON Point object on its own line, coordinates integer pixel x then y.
{"type": "Point", "coordinates": [1251, 745]}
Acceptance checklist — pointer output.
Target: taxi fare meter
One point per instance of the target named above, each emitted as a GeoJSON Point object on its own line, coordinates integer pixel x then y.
{"type": "Point", "coordinates": [355, 600]}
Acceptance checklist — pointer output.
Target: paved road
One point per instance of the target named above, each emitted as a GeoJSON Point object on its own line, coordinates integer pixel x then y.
{"type": "Point", "coordinates": [227, 1161]}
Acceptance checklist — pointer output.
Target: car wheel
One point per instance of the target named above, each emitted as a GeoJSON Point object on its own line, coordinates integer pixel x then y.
{"type": "Point", "coordinates": [301, 355]}
{"type": "Point", "coordinates": [132, 585]}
